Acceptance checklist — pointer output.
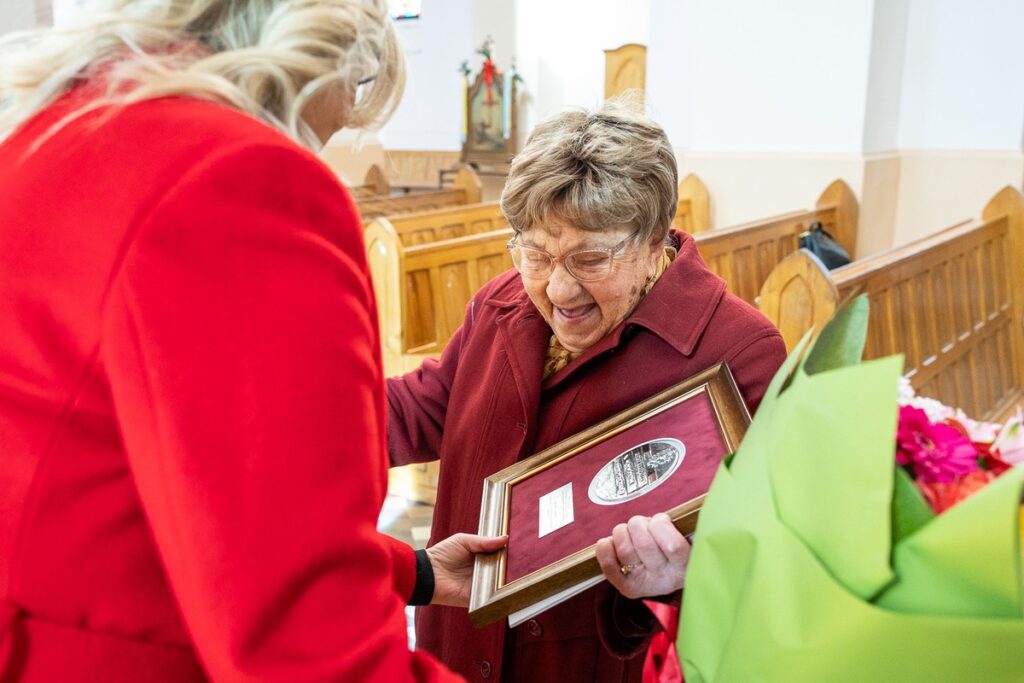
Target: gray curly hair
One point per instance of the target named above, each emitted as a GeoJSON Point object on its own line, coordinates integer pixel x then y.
{"type": "Point", "coordinates": [596, 170]}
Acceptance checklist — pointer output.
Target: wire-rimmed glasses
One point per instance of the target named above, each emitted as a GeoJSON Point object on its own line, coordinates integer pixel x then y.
{"type": "Point", "coordinates": [586, 265]}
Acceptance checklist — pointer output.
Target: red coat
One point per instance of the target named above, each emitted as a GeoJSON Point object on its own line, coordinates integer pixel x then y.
{"type": "Point", "coordinates": [191, 410]}
{"type": "Point", "coordinates": [484, 406]}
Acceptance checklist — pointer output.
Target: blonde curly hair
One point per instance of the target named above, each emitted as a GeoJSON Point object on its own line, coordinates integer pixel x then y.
{"type": "Point", "coordinates": [268, 58]}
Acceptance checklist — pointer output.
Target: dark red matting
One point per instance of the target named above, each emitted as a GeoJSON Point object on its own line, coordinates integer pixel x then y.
{"type": "Point", "coordinates": [692, 422]}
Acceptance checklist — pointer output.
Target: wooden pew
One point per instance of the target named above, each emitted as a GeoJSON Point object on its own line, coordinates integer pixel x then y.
{"type": "Point", "coordinates": [435, 225]}
{"type": "Point", "coordinates": [466, 189]}
{"type": "Point", "coordinates": [375, 184]}
{"type": "Point", "coordinates": [693, 212]}
{"type": "Point", "coordinates": [745, 254]}
{"type": "Point", "coordinates": [422, 290]}
{"type": "Point", "coordinates": [952, 303]}
{"type": "Point", "coordinates": [423, 286]}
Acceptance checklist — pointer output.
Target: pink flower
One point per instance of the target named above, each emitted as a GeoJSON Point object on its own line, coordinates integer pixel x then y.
{"type": "Point", "coordinates": [934, 453]}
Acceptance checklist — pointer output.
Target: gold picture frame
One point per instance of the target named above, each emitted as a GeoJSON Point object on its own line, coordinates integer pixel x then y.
{"type": "Point", "coordinates": [492, 596]}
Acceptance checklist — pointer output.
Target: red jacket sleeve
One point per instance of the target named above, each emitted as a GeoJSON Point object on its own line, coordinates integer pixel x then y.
{"type": "Point", "coordinates": [403, 563]}
{"type": "Point", "coordinates": [240, 342]}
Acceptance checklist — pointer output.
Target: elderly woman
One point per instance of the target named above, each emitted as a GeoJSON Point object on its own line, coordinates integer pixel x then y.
{"type": "Point", "coordinates": [188, 324]}
{"type": "Point", "coordinates": [606, 307]}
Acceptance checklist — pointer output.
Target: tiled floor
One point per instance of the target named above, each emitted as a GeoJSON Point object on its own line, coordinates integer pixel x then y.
{"type": "Point", "coordinates": [406, 520]}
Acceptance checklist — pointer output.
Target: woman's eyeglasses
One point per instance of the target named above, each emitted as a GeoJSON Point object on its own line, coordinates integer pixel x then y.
{"type": "Point", "coordinates": [586, 265]}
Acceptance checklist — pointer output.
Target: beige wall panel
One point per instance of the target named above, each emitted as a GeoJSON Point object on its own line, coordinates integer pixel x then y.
{"type": "Point", "coordinates": [940, 188]}
{"type": "Point", "coordinates": [747, 187]}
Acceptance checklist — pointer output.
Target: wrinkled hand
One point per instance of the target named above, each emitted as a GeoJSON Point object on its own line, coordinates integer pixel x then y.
{"type": "Point", "coordinates": [653, 551]}
{"type": "Point", "coordinates": [452, 560]}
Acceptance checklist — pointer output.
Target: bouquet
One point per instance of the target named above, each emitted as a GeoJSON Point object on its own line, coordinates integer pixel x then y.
{"type": "Point", "coordinates": [853, 539]}
{"type": "Point", "coordinates": [947, 454]}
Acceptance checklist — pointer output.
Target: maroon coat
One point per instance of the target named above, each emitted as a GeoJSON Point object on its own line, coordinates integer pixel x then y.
{"type": "Point", "coordinates": [484, 406]}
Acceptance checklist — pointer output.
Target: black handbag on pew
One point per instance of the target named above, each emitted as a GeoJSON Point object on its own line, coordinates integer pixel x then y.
{"type": "Point", "coordinates": [819, 242]}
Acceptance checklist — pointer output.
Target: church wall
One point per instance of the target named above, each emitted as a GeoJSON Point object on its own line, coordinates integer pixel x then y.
{"type": "Point", "coordinates": [766, 102]}
{"type": "Point", "coordinates": [773, 77]}
{"type": "Point", "coordinates": [745, 186]}
{"type": "Point", "coordinates": [560, 50]}
{"type": "Point", "coordinates": [916, 104]}
{"type": "Point", "coordinates": [430, 116]}
{"type": "Point", "coordinates": [962, 112]}
{"type": "Point", "coordinates": [942, 187]}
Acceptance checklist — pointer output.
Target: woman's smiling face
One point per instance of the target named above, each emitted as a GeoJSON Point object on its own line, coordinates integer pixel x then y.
{"type": "Point", "coordinates": [582, 312]}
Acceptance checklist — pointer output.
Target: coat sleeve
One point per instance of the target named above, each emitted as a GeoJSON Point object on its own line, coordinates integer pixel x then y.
{"type": "Point", "coordinates": [239, 342]}
{"type": "Point", "coordinates": [754, 363]}
{"type": "Point", "coordinates": [418, 401]}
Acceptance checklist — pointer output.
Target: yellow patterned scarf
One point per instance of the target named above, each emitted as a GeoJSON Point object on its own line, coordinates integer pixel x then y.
{"type": "Point", "coordinates": [557, 356]}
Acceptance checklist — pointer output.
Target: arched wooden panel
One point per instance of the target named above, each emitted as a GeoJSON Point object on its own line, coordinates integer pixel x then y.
{"type": "Point", "coordinates": [693, 212]}
{"type": "Point", "coordinates": [798, 295]}
{"type": "Point", "coordinates": [625, 68]}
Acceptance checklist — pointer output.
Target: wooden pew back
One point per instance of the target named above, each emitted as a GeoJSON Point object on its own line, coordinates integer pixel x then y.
{"type": "Point", "coordinates": [426, 227]}
{"type": "Point", "coordinates": [423, 288]}
{"type": "Point", "coordinates": [467, 189]}
{"type": "Point", "coordinates": [744, 255]}
{"type": "Point", "coordinates": [952, 303]}
{"type": "Point", "coordinates": [375, 184]}
{"type": "Point", "coordinates": [693, 211]}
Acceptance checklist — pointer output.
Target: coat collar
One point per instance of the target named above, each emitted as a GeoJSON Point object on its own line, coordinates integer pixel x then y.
{"type": "Point", "coordinates": [680, 305]}
{"type": "Point", "coordinates": [677, 309]}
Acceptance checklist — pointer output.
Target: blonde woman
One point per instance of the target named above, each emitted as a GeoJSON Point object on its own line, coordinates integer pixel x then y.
{"type": "Point", "coordinates": [188, 324]}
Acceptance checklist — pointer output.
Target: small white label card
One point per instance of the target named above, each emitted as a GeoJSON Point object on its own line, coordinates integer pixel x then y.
{"type": "Point", "coordinates": [555, 510]}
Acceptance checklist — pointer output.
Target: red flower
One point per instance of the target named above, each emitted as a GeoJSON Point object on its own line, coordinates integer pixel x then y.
{"type": "Point", "coordinates": [944, 495]}
{"type": "Point", "coordinates": [934, 453]}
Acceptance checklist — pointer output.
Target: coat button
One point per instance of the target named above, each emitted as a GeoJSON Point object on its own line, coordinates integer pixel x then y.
{"type": "Point", "coordinates": [534, 627]}
{"type": "Point", "coordinates": [485, 669]}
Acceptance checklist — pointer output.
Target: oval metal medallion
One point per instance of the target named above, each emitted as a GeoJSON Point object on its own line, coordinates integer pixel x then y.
{"type": "Point", "coordinates": [637, 471]}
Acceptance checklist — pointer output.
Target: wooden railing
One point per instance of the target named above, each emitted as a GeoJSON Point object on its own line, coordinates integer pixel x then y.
{"type": "Point", "coordinates": [951, 303]}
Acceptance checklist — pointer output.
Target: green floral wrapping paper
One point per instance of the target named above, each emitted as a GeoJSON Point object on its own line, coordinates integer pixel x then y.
{"type": "Point", "coordinates": [813, 561]}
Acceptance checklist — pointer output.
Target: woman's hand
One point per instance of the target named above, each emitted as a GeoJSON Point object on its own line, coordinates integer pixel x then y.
{"type": "Point", "coordinates": [645, 557]}
{"type": "Point", "coordinates": [452, 560]}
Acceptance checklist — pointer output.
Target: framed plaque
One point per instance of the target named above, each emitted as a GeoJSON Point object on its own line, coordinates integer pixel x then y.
{"type": "Point", "coordinates": [657, 456]}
